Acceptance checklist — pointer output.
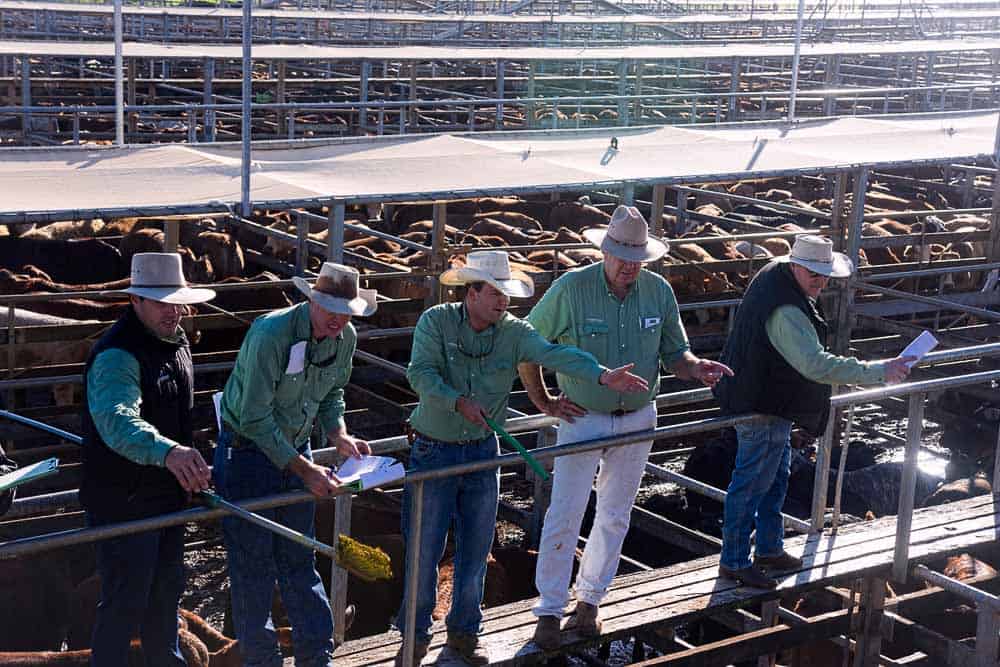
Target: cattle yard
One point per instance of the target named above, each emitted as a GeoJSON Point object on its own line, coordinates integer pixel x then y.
{"type": "Point", "coordinates": [396, 137]}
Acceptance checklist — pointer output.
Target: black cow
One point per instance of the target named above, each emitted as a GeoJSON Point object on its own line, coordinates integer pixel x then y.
{"type": "Point", "coordinates": [77, 261]}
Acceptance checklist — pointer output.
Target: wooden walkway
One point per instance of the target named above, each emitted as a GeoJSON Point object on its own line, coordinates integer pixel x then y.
{"type": "Point", "coordinates": [687, 591]}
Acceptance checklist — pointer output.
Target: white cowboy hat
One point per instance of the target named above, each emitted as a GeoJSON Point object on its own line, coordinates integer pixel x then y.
{"type": "Point", "coordinates": [337, 291]}
{"type": "Point", "coordinates": [158, 276]}
{"type": "Point", "coordinates": [493, 267]}
{"type": "Point", "coordinates": [816, 254]}
{"type": "Point", "coordinates": [627, 237]}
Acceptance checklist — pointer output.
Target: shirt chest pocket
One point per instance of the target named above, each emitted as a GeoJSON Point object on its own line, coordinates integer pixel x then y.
{"type": "Point", "coordinates": [593, 337]}
{"type": "Point", "coordinates": [498, 377]}
{"type": "Point", "coordinates": [650, 327]}
{"type": "Point", "coordinates": [290, 388]}
{"type": "Point", "coordinates": [326, 379]}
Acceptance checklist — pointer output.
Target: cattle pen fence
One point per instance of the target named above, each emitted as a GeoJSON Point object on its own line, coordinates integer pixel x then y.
{"type": "Point", "coordinates": [915, 392]}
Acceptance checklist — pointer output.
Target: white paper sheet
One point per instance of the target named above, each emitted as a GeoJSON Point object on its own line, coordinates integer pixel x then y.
{"type": "Point", "coordinates": [370, 471]}
{"type": "Point", "coordinates": [919, 347]}
{"type": "Point", "coordinates": [296, 358]}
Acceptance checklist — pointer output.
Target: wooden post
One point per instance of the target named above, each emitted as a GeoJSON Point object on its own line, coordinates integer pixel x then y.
{"type": "Point", "coordinates": [338, 575]}
{"type": "Point", "coordinates": [843, 331]}
{"type": "Point", "coordinates": [542, 492]}
{"type": "Point", "coordinates": [132, 124]}
{"type": "Point", "coordinates": [499, 93]}
{"type": "Point", "coordinates": [279, 97]}
{"type": "Point", "coordinates": [768, 617]}
{"type": "Point", "coordinates": [529, 112]}
{"type": "Point", "coordinates": [656, 213]}
{"type": "Point", "coordinates": [413, 95]}
{"type": "Point", "coordinates": [866, 652]}
{"type": "Point", "coordinates": [637, 111]}
{"type": "Point", "coordinates": [437, 259]}
{"type": "Point", "coordinates": [301, 245]}
{"type": "Point", "coordinates": [171, 235]}
{"type": "Point", "coordinates": [335, 240]}
{"type": "Point", "coordinates": [366, 72]}
{"type": "Point", "coordinates": [622, 91]}
{"type": "Point", "coordinates": [682, 212]}
{"type": "Point", "coordinates": [26, 96]}
{"type": "Point", "coordinates": [736, 64]}
{"type": "Point", "coordinates": [820, 483]}
{"type": "Point", "coordinates": [904, 517]}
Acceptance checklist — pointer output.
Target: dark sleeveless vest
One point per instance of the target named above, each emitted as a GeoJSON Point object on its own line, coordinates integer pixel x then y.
{"type": "Point", "coordinates": [115, 488]}
{"type": "Point", "coordinates": [764, 382]}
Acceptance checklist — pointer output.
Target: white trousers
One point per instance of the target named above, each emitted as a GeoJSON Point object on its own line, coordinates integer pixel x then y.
{"type": "Point", "coordinates": [621, 470]}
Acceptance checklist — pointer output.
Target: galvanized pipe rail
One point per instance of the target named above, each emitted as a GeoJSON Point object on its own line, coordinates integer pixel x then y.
{"type": "Point", "coordinates": [987, 610]}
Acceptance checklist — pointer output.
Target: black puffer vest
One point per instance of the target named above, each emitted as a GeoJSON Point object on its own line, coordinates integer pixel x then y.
{"type": "Point", "coordinates": [115, 488]}
{"type": "Point", "coordinates": [764, 382]}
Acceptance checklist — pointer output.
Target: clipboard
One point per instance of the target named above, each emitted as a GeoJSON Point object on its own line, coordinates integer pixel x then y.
{"type": "Point", "coordinates": [28, 474]}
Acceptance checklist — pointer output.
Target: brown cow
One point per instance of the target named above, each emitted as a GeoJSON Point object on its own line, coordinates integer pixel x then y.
{"type": "Point", "coordinates": [576, 216]}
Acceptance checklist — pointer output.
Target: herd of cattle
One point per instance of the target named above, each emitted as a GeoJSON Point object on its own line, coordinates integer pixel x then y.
{"type": "Point", "coordinates": [50, 593]}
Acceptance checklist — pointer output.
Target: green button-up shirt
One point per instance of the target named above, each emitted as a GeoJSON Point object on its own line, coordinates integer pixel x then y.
{"type": "Point", "coordinates": [274, 408]}
{"type": "Point", "coordinates": [114, 398]}
{"type": "Point", "coordinates": [794, 337]}
{"type": "Point", "coordinates": [645, 329]}
{"type": "Point", "coordinates": [450, 360]}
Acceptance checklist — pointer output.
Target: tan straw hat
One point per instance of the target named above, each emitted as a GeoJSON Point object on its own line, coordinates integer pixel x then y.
{"type": "Point", "coordinates": [627, 237]}
{"type": "Point", "coordinates": [493, 267]}
{"type": "Point", "coordinates": [158, 276]}
{"type": "Point", "coordinates": [816, 254]}
{"type": "Point", "coordinates": [337, 291]}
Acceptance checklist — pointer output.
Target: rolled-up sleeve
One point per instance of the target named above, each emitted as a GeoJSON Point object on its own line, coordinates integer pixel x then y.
{"type": "Point", "coordinates": [256, 410]}
{"type": "Point", "coordinates": [426, 363]}
{"type": "Point", "coordinates": [794, 337]}
{"type": "Point", "coordinates": [114, 399]}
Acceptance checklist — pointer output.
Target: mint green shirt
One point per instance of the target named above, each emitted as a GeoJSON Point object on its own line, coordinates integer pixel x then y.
{"type": "Point", "coordinates": [645, 329]}
{"type": "Point", "coordinates": [794, 337]}
{"type": "Point", "coordinates": [275, 408]}
{"type": "Point", "coordinates": [114, 397]}
{"type": "Point", "coordinates": [441, 368]}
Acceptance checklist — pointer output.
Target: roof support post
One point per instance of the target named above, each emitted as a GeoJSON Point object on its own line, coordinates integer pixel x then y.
{"type": "Point", "coordinates": [246, 209]}
{"type": "Point", "coordinates": [281, 127]}
{"type": "Point", "coordinates": [866, 653]}
{"type": "Point", "coordinates": [437, 259]}
{"type": "Point", "coordinates": [301, 244]}
{"type": "Point", "coordinates": [530, 111]}
{"type": "Point", "coordinates": [904, 517]}
{"type": "Point", "coordinates": [133, 118]}
{"type": "Point", "coordinates": [622, 91]}
{"type": "Point", "coordinates": [335, 238]}
{"type": "Point", "coordinates": [795, 61]}
{"type": "Point", "coordinates": [26, 96]}
{"type": "Point", "coordinates": [366, 72]}
{"type": "Point", "coordinates": [208, 72]}
{"type": "Point", "coordinates": [637, 111]}
{"type": "Point", "coordinates": [735, 63]}
{"type": "Point", "coordinates": [831, 79]}
{"type": "Point", "coordinates": [119, 83]}
{"type": "Point", "coordinates": [656, 212]}
{"type": "Point", "coordinates": [499, 93]}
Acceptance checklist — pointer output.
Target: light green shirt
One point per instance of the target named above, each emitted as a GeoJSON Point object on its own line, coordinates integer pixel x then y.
{"type": "Point", "coordinates": [114, 398]}
{"type": "Point", "coordinates": [275, 408]}
{"type": "Point", "coordinates": [450, 360]}
{"type": "Point", "coordinates": [645, 329]}
{"type": "Point", "coordinates": [795, 339]}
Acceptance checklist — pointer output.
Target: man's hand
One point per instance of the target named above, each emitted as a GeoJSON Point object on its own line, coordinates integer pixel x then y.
{"type": "Point", "coordinates": [472, 411]}
{"type": "Point", "coordinates": [897, 370]}
{"type": "Point", "coordinates": [189, 468]}
{"type": "Point", "coordinates": [348, 445]}
{"type": "Point", "coordinates": [561, 407]}
{"type": "Point", "coordinates": [709, 372]}
{"type": "Point", "coordinates": [320, 480]}
{"type": "Point", "coordinates": [621, 380]}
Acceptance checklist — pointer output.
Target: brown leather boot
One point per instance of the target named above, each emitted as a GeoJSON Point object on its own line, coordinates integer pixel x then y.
{"type": "Point", "coordinates": [469, 648]}
{"type": "Point", "coordinates": [547, 633]}
{"type": "Point", "coordinates": [783, 561]}
{"type": "Point", "coordinates": [751, 576]}
{"type": "Point", "coordinates": [419, 652]}
{"type": "Point", "coordinates": [587, 620]}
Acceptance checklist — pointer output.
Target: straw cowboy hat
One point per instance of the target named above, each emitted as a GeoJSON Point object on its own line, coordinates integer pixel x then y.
{"type": "Point", "coordinates": [493, 267]}
{"type": "Point", "coordinates": [816, 254]}
{"type": "Point", "coordinates": [627, 237]}
{"type": "Point", "coordinates": [158, 276]}
{"type": "Point", "coordinates": [337, 291]}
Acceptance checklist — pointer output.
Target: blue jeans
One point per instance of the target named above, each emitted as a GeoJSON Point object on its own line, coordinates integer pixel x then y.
{"type": "Point", "coordinates": [142, 579]}
{"type": "Point", "coordinates": [471, 502]}
{"type": "Point", "coordinates": [757, 492]}
{"type": "Point", "coordinates": [258, 558]}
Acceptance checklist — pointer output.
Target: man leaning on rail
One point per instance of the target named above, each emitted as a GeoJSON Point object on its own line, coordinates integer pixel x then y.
{"type": "Point", "coordinates": [463, 365]}
{"type": "Point", "coordinates": [291, 371]}
{"type": "Point", "coordinates": [138, 461]}
{"type": "Point", "coordinates": [776, 349]}
{"type": "Point", "coordinates": [615, 310]}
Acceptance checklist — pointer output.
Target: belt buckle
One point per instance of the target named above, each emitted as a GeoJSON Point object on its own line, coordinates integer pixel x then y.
{"type": "Point", "coordinates": [620, 412]}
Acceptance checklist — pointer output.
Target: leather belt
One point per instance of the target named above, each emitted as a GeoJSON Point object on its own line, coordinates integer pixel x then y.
{"type": "Point", "coordinates": [620, 412]}
{"type": "Point", "coordinates": [239, 442]}
{"type": "Point", "coordinates": [412, 434]}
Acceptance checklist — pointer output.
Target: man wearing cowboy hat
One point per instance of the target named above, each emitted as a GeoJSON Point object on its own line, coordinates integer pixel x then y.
{"type": "Point", "coordinates": [463, 366]}
{"type": "Point", "coordinates": [291, 371]}
{"type": "Point", "coordinates": [138, 461]}
{"type": "Point", "coordinates": [777, 343]}
{"type": "Point", "coordinates": [615, 310]}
